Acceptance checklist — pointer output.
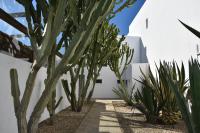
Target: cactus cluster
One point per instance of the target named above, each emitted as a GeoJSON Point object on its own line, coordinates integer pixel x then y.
{"type": "Point", "coordinates": [46, 21]}
{"type": "Point", "coordinates": [118, 63]}
{"type": "Point", "coordinates": [103, 44]}
{"type": "Point", "coordinates": [53, 24]}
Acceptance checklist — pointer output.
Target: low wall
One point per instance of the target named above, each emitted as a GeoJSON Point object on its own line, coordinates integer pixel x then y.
{"type": "Point", "coordinates": [8, 123]}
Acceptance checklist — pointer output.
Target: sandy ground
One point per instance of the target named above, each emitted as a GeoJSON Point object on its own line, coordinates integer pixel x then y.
{"type": "Point", "coordinates": [105, 116]}
{"type": "Point", "coordinates": [135, 122]}
{"type": "Point", "coordinates": [65, 121]}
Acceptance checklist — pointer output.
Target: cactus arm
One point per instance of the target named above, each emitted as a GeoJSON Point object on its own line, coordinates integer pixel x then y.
{"type": "Point", "coordinates": [58, 103]}
{"type": "Point", "coordinates": [66, 89]}
{"type": "Point", "coordinates": [27, 5]}
{"type": "Point", "coordinates": [102, 6]}
{"type": "Point", "coordinates": [21, 116]}
{"type": "Point", "coordinates": [28, 89]}
{"type": "Point", "coordinates": [44, 8]}
{"type": "Point", "coordinates": [41, 104]}
{"type": "Point", "coordinates": [124, 5]}
{"type": "Point", "coordinates": [50, 69]}
{"type": "Point", "coordinates": [101, 11]}
{"type": "Point", "coordinates": [15, 89]}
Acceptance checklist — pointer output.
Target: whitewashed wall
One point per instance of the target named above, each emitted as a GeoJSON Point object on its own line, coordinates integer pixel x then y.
{"type": "Point", "coordinates": [8, 122]}
{"type": "Point", "coordinates": [136, 43]}
{"type": "Point", "coordinates": [165, 38]}
{"type": "Point", "coordinates": [109, 81]}
{"type": "Point", "coordinates": [104, 89]}
{"type": "Point", "coordinates": [136, 73]}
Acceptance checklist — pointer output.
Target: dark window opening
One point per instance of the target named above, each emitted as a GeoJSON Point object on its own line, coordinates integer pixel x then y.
{"type": "Point", "coordinates": [118, 81]}
{"type": "Point", "coordinates": [99, 81]}
{"type": "Point", "coordinates": [147, 23]}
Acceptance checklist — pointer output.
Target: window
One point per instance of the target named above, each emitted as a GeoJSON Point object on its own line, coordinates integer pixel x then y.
{"type": "Point", "coordinates": [99, 81]}
{"type": "Point", "coordinates": [147, 23]}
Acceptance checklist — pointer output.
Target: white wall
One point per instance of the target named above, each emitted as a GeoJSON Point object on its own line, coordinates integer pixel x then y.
{"type": "Point", "coordinates": [139, 49]}
{"type": "Point", "coordinates": [8, 122]}
{"type": "Point", "coordinates": [109, 81]}
{"type": "Point", "coordinates": [136, 73]}
{"type": "Point", "coordinates": [165, 38]}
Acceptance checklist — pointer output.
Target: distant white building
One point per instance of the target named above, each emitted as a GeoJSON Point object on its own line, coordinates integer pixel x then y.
{"type": "Point", "coordinates": [162, 34]}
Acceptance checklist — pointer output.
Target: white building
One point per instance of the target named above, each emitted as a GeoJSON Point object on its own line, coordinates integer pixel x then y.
{"type": "Point", "coordinates": [162, 34]}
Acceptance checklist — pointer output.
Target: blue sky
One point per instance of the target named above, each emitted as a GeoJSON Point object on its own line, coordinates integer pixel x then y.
{"type": "Point", "coordinates": [124, 18]}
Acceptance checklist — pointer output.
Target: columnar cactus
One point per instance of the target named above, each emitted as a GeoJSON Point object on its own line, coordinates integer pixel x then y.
{"type": "Point", "coordinates": [103, 44]}
{"type": "Point", "coordinates": [57, 16]}
{"type": "Point", "coordinates": [118, 63]}
{"type": "Point", "coordinates": [75, 22]}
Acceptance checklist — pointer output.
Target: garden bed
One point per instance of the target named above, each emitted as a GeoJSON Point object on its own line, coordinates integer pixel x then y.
{"type": "Point", "coordinates": [135, 122]}
{"type": "Point", "coordinates": [65, 121]}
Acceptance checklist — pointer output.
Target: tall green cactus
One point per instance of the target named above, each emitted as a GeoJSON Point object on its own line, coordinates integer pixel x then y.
{"type": "Point", "coordinates": [107, 43]}
{"type": "Point", "coordinates": [118, 63]}
{"type": "Point", "coordinates": [46, 21]}
{"type": "Point", "coordinates": [103, 44]}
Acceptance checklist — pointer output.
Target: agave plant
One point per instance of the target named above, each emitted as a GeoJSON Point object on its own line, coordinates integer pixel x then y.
{"type": "Point", "coordinates": [124, 93]}
{"type": "Point", "coordinates": [156, 98]}
{"type": "Point", "coordinates": [191, 118]}
{"type": "Point", "coordinates": [170, 112]}
{"type": "Point", "coordinates": [194, 31]}
{"type": "Point", "coordinates": [150, 99]}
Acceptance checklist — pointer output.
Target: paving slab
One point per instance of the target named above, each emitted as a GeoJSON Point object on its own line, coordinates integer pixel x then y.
{"type": "Point", "coordinates": [101, 118]}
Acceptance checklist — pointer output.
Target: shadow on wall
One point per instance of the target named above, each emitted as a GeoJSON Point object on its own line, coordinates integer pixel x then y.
{"type": "Point", "coordinates": [143, 53]}
{"type": "Point", "coordinates": [140, 55]}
